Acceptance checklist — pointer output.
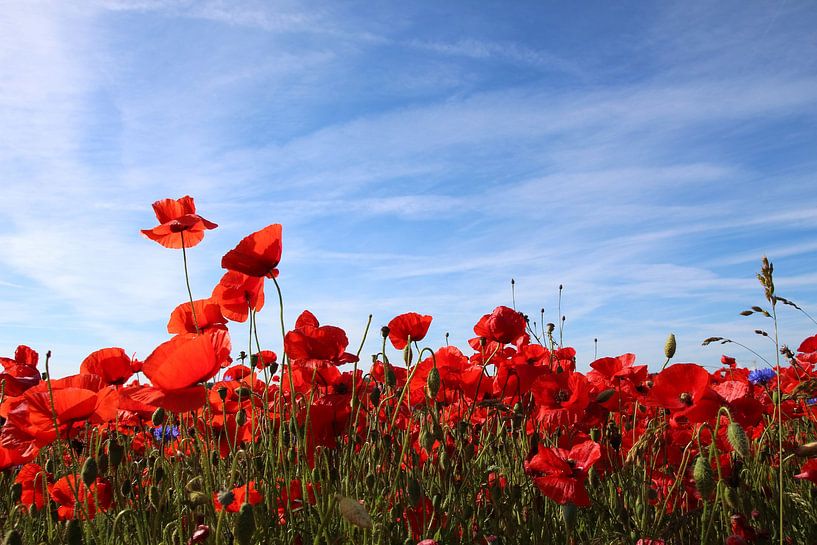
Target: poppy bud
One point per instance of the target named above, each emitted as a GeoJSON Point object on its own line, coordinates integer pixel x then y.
{"type": "Point", "coordinates": [605, 396]}
{"type": "Point", "coordinates": [738, 439]}
{"type": "Point", "coordinates": [391, 378]}
{"type": "Point", "coordinates": [115, 452]}
{"type": "Point", "coordinates": [415, 491]}
{"type": "Point", "coordinates": [408, 355]}
{"type": "Point", "coordinates": [595, 434]}
{"type": "Point", "coordinates": [384, 331]}
{"type": "Point", "coordinates": [670, 346]}
{"type": "Point", "coordinates": [702, 474]}
{"type": "Point", "coordinates": [198, 498]}
{"type": "Point", "coordinates": [374, 397]}
{"type": "Point", "coordinates": [103, 462]}
{"type": "Point", "coordinates": [73, 533]}
{"type": "Point", "coordinates": [16, 492]}
{"type": "Point", "coordinates": [158, 417]}
{"type": "Point", "coordinates": [569, 513]}
{"type": "Point", "coordinates": [730, 498]}
{"type": "Point", "coordinates": [353, 511]}
{"type": "Point", "coordinates": [154, 496]}
{"type": "Point", "coordinates": [370, 480]}
{"type": "Point", "coordinates": [214, 458]}
{"type": "Point", "coordinates": [433, 382]}
{"type": "Point", "coordinates": [90, 470]}
{"type": "Point", "coordinates": [127, 488]}
{"type": "Point", "coordinates": [241, 417]}
{"type": "Point", "coordinates": [244, 525]}
{"type": "Point", "coordinates": [49, 466]}
{"type": "Point", "coordinates": [13, 538]}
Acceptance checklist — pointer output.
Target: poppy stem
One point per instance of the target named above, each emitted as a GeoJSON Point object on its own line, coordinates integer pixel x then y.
{"type": "Point", "coordinates": [187, 280]}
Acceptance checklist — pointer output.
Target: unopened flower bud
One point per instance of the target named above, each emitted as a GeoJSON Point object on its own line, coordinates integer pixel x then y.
{"type": "Point", "coordinates": [353, 511]}
{"type": "Point", "coordinates": [702, 474]}
{"type": "Point", "coordinates": [670, 346]}
{"type": "Point", "coordinates": [738, 439]}
{"type": "Point", "coordinates": [241, 417]}
{"type": "Point", "coordinates": [245, 525]}
{"type": "Point", "coordinates": [158, 417]}
{"type": "Point", "coordinates": [90, 471]}
{"type": "Point", "coordinates": [433, 382]}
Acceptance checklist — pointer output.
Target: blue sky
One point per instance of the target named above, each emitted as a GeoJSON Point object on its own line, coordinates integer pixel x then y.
{"type": "Point", "coordinates": [419, 155]}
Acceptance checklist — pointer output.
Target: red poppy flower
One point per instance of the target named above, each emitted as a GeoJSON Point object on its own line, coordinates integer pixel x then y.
{"type": "Point", "coordinates": [112, 364]}
{"type": "Point", "coordinates": [264, 359]}
{"type": "Point", "coordinates": [504, 325]}
{"type": "Point", "coordinates": [560, 474]}
{"type": "Point", "coordinates": [208, 316]}
{"type": "Point", "coordinates": [186, 360]}
{"type": "Point", "coordinates": [684, 389]}
{"type": "Point", "coordinates": [76, 399]}
{"type": "Point", "coordinates": [22, 356]}
{"type": "Point", "coordinates": [87, 501]}
{"type": "Point", "coordinates": [32, 479]}
{"type": "Point", "coordinates": [809, 345]}
{"type": "Point", "coordinates": [808, 471]}
{"type": "Point", "coordinates": [311, 341]}
{"type": "Point", "coordinates": [177, 217]}
{"type": "Point", "coordinates": [257, 254]}
{"type": "Point", "coordinates": [240, 496]}
{"type": "Point", "coordinates": [236, 293]}
{"type": "Point", "coordinates": [408, 325]}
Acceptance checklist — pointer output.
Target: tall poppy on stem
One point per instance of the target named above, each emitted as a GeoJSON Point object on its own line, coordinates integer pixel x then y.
{"type": "Point", "coordinates": [177, 217]}
{"type": "Point", "coordinates": [257, 254]}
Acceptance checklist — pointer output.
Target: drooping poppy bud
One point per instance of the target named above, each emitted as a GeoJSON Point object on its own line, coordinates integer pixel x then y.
{"type": "Point", "coordinates": [353, 511]}
{"type": "Point", "coordinates": [702, 474]}
{"type": "Point", "coordinates": [245, 525]}
{"type": "Point", "coordinates": [738, 439]}
{"type": "Point", "coordinates": [90, 471]}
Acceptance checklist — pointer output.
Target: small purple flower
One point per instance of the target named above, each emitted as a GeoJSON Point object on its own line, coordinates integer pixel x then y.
{"type": "Point", "coordinates": [169, 433]}
{"type": "Point", "coordinates": [761, 376]}
{"type": "Point", "coordinates": [811, 401]}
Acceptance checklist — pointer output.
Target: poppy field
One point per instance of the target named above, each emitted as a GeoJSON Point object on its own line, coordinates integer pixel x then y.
{"type": "Point", "coordinates": [301, 438]}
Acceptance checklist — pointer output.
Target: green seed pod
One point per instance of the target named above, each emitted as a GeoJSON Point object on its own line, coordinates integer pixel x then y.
{"type": "Point", "coordinates": [222, 392]}
{"type": "Point", "coordinates": [738, 439]}
{"type": "Point", "coordinates": [243, 392]}
{"type": "Point", "coordinates": [158, 418]}
{"type": "Point", "coordinates": [241, 417]}
{"type": "Point", "coordinates": [776, 397]}
{"type": "Point", "coordinates": [433, 382]}
{"type": "Point", "coordinates": [704, 480]}
{"type": "Point", "coordinates": [115, 453]}
{"type": "Point", "coordinates": [13, 538]}
{"type": "Point", "coordinates": [73, 533]}
{"type": "Point", "coordinates": [90, 471]}
{"type": "Point", "coordinates": [408, 355]}
{"type": "Point", "coordinates": [670, 346]}
{"type": "Point", "coordinates": [569, 513]}
{"type": "Point", "coordinates": [244, 525]}
{"type": "Point", "coordinates": [16, 492]}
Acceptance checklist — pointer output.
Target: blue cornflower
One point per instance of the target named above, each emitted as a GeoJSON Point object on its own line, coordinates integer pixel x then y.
{"type": "Point", "coordinates": [812, 401]}
{"type": "Point", "coordinates": [761, 376]}
{"type": "Point", "coordinates": [169, 432]}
